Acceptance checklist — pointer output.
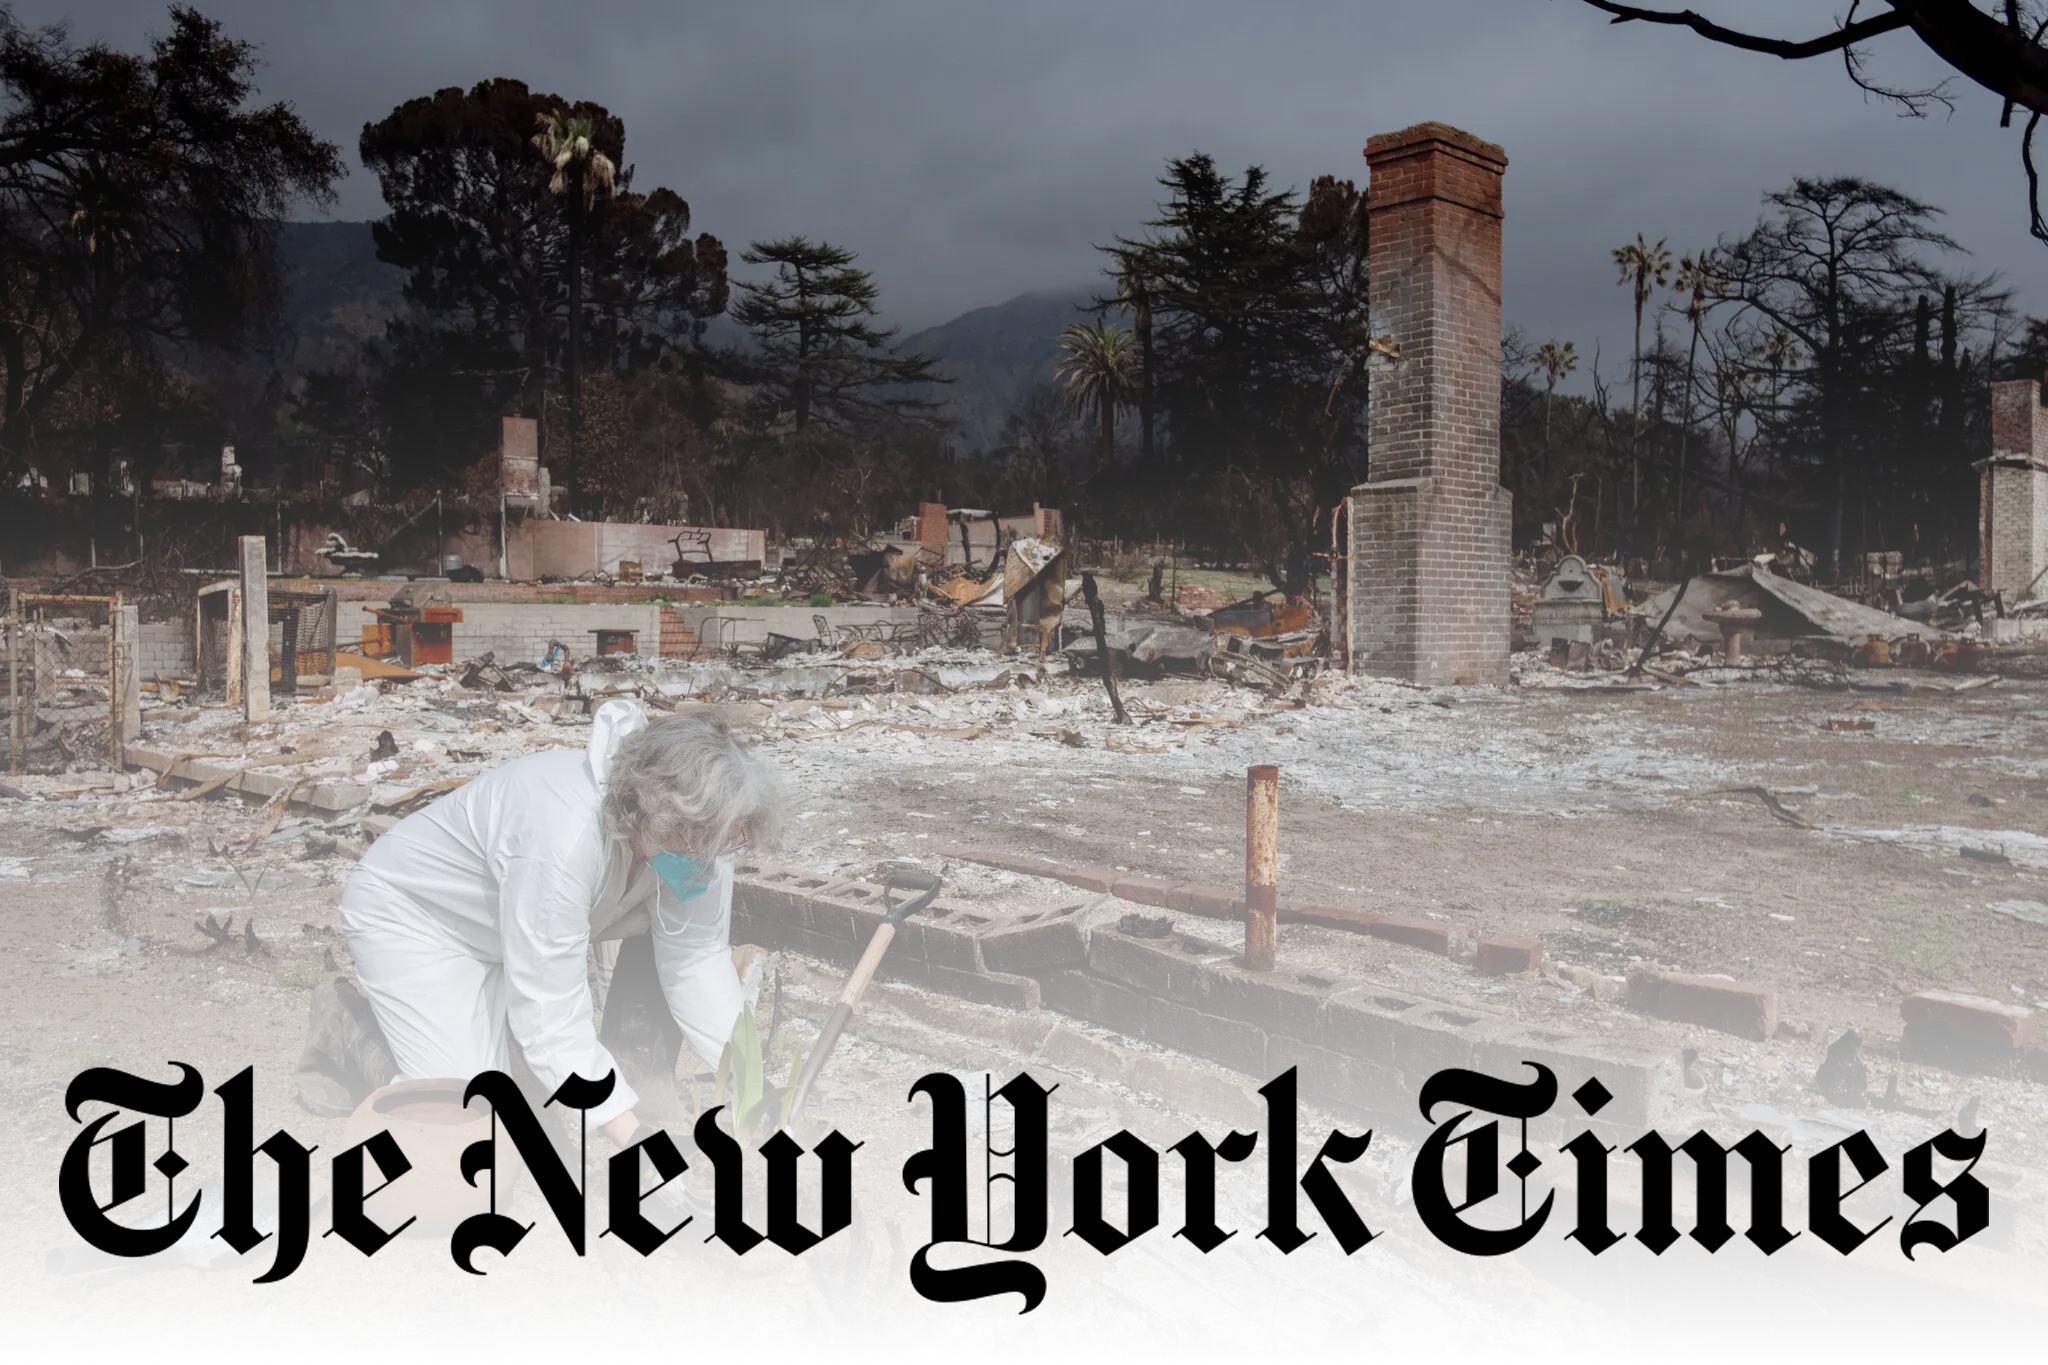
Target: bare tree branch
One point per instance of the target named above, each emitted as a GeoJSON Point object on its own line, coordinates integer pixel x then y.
{"type": "Point", "coordinates": [2039, 228]}
{"type": "Point", "coordinates": [1843, 37]}
{"type": "Point", "coordinates": [1915, 102]}
{"type": "Point", "coordinates": [1995, 51]}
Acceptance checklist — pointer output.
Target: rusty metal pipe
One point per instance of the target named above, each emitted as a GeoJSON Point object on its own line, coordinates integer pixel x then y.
{"type": "Point", "coordinates": [1261, 865]}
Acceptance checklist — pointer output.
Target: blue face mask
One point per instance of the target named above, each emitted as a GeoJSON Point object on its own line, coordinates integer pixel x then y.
{"type": "Point", "coordinates": [686, 874]}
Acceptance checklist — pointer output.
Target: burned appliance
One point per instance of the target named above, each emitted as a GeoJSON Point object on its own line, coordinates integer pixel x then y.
{"type": "Point", "coordinates": [1571, 608]}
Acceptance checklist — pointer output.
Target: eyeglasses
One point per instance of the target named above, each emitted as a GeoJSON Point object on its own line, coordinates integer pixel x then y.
{"type": "Point", "coordinates": [737, 843]}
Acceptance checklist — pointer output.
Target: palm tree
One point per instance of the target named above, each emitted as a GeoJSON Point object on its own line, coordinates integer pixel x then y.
{"type": "Point", "coordinates": [1556, 359]}
{"type": "Point", "coordinates": [1134, 291]}
{"type": "Point", "coordinates": [1646, 267]}
{"type": "Point", "coordinates": [581, 174]}
{"type": "Point", "coordinates": [1698, 276]}
{"type": "Point", "coordinates": [1100, 371]}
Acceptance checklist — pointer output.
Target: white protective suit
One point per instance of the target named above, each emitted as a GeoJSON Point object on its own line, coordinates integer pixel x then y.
{"type": "Point", "coordinates": [479, 911]}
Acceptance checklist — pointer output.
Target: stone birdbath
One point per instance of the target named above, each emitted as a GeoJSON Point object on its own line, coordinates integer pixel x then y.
{"type": "Point", "coordinates": [1735, 620]}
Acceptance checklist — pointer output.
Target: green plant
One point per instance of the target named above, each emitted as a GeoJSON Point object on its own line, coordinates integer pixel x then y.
{"type": "Point", "coordinates": [822, 599]}
{"type": "Point", "coordinates": [1912, 937]}
{"type": "Point", "coordinates": [757, 1108]}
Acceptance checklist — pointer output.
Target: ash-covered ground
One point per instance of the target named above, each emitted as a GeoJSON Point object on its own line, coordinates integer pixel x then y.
{"type": "Point", "coordinates": [1620, 826]}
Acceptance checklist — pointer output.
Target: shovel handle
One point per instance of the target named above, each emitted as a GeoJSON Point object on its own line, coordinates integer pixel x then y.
{"type": "Point", "coordinates": [870, 961]}
{"type": "Point", "coordinates": [927, 886]}
{"type": "Point", "coordinates": [842, 1011]}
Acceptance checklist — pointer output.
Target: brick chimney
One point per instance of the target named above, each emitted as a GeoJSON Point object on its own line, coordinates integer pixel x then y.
{"type": "Point", "coordinates": [2013, 493]}
{"type": "Point", "coordinates": [1430, 527]}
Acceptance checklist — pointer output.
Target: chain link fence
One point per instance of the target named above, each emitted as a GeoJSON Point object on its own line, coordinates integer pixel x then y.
{"type": "Point", "coordinates": [64, 657]}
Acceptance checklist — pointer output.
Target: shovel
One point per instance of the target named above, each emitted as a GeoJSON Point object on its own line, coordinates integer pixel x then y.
{"type": "Point", "coordinates": [927, 885]}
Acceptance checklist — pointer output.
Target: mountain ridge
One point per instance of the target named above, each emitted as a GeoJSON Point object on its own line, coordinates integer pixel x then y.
{"type": "Point", "coordinates": [994, 355]}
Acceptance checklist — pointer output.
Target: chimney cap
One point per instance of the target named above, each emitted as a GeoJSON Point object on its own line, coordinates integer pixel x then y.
{"type": "Point", "coordinates": [1393, 144]}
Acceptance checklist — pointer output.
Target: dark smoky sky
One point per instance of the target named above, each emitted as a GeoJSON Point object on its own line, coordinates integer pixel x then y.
{"type": "Point", "coordinates": [970, 152]}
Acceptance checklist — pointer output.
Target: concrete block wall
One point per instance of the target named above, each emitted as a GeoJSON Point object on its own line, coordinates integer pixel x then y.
{"type": "Point", "coordinates": [1430, 528]}
{"type": "Point", "coordinates": [753, 625]}
{"type": "Point", "coordinates": [833, 920]}
{"type": "Point", "coordinates": [1361, 1046]}
{"type": "Point", "coordinates": [521, 630]}
{"type": "Point", "coordinates": [2013, 492]}
{"type": "Point", "coordinates": [165, 647]}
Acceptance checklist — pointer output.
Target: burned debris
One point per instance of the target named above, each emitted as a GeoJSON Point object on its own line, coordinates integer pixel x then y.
{"type": "Point", "coordinates": [1060, 725]}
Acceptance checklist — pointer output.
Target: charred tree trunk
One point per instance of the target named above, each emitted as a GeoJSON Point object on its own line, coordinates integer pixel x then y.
{"type": "Point", "coordinates": [1094, 600]}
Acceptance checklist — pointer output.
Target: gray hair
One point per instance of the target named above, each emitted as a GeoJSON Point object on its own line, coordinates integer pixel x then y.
{"type": "Point", "coordinates": [687, 784]}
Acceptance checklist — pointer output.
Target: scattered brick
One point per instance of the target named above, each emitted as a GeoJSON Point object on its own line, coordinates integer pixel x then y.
{"type": "Point", "coordinates": [1212, 902]}
{"type": "Point", "coordinates": [1737, 1007]}
{"type": "Point", "coordinates": [1328, 916]}
{"type": "Point", "coordinates": [1416, 933]}
{"type": "Point", "coordinates": [1144, 890]}
{"type": "Point", "coordinates": [1008, 862]}
{"type": "Point", "coordinates": [1946, 1017]}
{"type": "Point", "coordinates": [1087, 878]}
{"type": "Point", "coordinates": [1503, 955]}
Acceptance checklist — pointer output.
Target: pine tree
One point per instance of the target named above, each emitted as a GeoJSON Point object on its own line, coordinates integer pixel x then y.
{"type": "Point", "coordinates": [814, 322]}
